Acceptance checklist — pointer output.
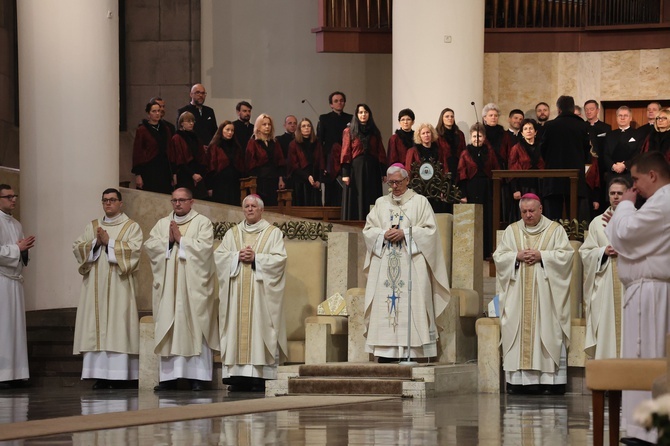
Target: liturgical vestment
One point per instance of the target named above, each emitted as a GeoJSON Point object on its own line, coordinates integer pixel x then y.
{"type": "Point", "coordinates": [107, 325]}
{"type": "Point", "coordinates": [184, 298]}
{"type": "Point", "coordinates": [534, 303]}
{"type": "Point", "coordinates": [603, 294]}
{"type": "Point", "coordinates": [387, 267]}
{"type": "Point", "coordinates": [251, 309]}
{"type": "Point", "coordinates": [642, 240]}
{"type": "Point", "coordinates": [13, 341]}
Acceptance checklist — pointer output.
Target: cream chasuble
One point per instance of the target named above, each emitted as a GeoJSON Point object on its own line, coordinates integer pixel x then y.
{"type": "Point", "coordinates": [534, 301]}
{"type": "Point", "coordinates": [13, 340]}
{"type": "Point", "coordinates": [184, 298]}
{"type": "Point", "coordinates": [387, 267]}
{"type": "Point", "coordinates": [251, 309]}
{"type": "Point", "coordinates": [107, 318]}
{"type": "Point", "coordinates": [603, 294]}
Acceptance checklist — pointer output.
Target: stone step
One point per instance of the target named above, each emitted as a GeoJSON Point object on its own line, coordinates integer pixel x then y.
{"type": "Point", "coordinates": [339, 386]}
{"type": "Point", "coordinates": [357, 370]}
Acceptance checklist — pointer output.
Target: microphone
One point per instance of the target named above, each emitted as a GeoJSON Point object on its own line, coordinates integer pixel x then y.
{"type": "Point", "coordinates": [474, 107]}
{"type": "Point", "coordinates": [310, 106]}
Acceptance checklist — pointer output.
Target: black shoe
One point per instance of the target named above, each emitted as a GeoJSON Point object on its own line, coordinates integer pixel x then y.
{"type": "Point", "coordinates": [383, 360]}
{"type": "Point", "coordinates": [553, 389]}
{"type": "Point", "coordinates": [632, 441]}
{"type": "Point", "coordinates": [6, 385]}
{"type": "Point", "coordinates": [238, 388]}
{"type": "Point", "coordinates": [102, 384]}
{"type": "Point", "coordinates": [197, 385]}
{"type": "Point", "coordinates": [166, 385]}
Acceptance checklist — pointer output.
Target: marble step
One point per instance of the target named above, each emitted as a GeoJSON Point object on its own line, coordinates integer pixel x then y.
{"type": "Point", "coordinates": [357, 370]}
{"type": "Point", "coordinates": [344, 386]}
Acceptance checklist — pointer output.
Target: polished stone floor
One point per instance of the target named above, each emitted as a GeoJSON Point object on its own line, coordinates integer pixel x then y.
{"type": "Point", "coordinates": [446, 420]}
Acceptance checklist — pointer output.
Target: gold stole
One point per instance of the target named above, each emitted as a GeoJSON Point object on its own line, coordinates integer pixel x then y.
{"type": "Point", "coordinates": [109, 278]}
{"type": "Point", "coordinates": [183, 228]}
{"type": "Point", "coordinates": [538, 241]}
{"type": "Point", "coordinates": [245, 290]}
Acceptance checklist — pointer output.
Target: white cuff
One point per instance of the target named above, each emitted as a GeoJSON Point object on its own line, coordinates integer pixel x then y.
{"type": "Point", "coordinates": [111, 255]}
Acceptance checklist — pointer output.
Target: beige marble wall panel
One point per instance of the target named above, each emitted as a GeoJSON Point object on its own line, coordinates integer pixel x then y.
{"type": "Point", "coordinates": [355, 298]}
{"type": "Point", "coordinates": [649, 72]}
{"type": "Point", "coordinates": [588, 77]}
{"type": "Point", "coordinates": [520, 80]}
{"type": "Point", "coordinates": [445, 224]}
{"type": "Point", "coordinates": [491, 78]}
{"type": "Point", "coordinates": [341, 273]}
{"type": "Point", "coordinates": [567, 81]}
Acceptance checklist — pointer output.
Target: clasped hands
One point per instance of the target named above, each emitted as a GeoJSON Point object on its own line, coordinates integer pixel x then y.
{"type": "Point", "coordinates": [247, 255]}
{"type": "Point", "coordinates": [101, 237]}
{"type": "Point", "coordinates": [175, 235]}
{"type": "Point", "coordinates": [394, 235]}
{"type": "Point", "coordinates": [26, 243]}
{"type": "Point", "coordinates": [529, 256]}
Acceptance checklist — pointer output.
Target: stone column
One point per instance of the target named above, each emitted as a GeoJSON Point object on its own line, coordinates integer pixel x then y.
{"type": "Point", "coordinates": [69, 133]}
{"type": "Point", "coordinates": [438, 58]}
{"type": "Point", "coordinates": [468, 248]}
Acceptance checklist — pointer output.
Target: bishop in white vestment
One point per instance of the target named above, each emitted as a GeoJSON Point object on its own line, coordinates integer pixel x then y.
{"type": "Point", "coordinates": [13, 257]}
{"type": "Point", "coordinates": [387, 238]}
{"type": "Point", "coordinates": [250, 263]}
{"type": "Point", "coordinates": [184, 298]}
{"type": "Point", "coordinates": [107, 326]}
{"type": "Point", "coordinates": [534, 267]}
{"type": "Point", "coordinates": [603, 292]}
{"type": "Point", "coordinates": [642, 240]}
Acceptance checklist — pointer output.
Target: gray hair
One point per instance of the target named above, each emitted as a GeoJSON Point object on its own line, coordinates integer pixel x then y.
{"type": "Point", "coordinates": [259, 200]}
{"type": "Point", "coordinates": [526, 200]}
{"type": "Point", "coordinates": [488, 107]}
{"type": "Point", "coordinates": [395, 169]}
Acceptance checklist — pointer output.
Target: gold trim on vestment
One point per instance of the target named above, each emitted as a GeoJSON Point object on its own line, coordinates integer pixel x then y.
{"type": "Point", "coordinates": [95, 287]}
{"type": "Point", "coordinates": [529, 304]}
{"type": "Point", "coordinates": [246, 297]}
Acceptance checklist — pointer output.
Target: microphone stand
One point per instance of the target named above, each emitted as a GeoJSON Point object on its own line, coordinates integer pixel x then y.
{"type": "Point", "coordinates": [409, 361]}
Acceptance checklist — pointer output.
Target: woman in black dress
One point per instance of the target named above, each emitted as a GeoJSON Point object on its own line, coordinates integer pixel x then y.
{"type": "Point", "coordinates": [150, 161]}
{"type": "Point", "coordinates": [305, 165]}
{"type": "Point", "coordinates": [226, 166]}
{"type": "Point", "coordinates": [187, 155]}
{"type": "Point", "coordinates": [265, 160]}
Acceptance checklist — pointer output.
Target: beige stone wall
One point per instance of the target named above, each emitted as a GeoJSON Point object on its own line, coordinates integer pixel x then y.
{"type": "Point", "coordinates": [521, 80]}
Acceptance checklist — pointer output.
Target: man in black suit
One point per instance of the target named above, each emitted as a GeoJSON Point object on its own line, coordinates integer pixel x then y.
{"type": "Point", "coordinates": [244, 129]}
{"type": "Point", "coordinates": [597, 132]}
{"type": "Point", "coordinates": [621, 145]}
{"type": "Point", "coordinates": [565, 146]}
{"type": "Point", "coordinates": [329, 132]}
{"type": "Point", "coordinates": [290, 126]}
{"type": "Point", "coordinates": [205, 120]}
{"type": "Point", "coordinates": [652, 111]}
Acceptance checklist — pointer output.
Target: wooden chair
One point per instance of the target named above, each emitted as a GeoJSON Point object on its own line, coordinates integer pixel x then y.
{"type": "Point", "coordinates": [613, 376]}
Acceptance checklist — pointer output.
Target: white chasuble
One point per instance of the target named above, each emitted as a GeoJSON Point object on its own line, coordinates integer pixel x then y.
{"type": "Point", "coordinates": [13, 341]}
{"type": "Point", "coordinates": [534, 301]}
{"type": "Point", "coordinates": [388, 267]}
{"type": "Point", "coordinates": [184, 298]}
{"type": "Point", "coordinates": [251, 309]}
{"type": "Point", "coordinates": [603, 294]}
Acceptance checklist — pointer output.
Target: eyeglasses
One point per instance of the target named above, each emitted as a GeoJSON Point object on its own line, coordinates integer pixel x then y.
{"type": "Point", "coordinates": [395, 182]}
{"type": "Point", "coordinates": [180, 200]}
{"type": "Point", "coordinates": [109, 200]}
{"type": "Point", "coordinates": [661, 118]}
{"type": "Point", "coordinates": [203, 93]}
{"type": "Point", "coordinates": [9, 197]}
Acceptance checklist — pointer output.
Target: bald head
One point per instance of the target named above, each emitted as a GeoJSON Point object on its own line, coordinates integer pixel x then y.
{"type": "Point", "coordinates": [198, 95]}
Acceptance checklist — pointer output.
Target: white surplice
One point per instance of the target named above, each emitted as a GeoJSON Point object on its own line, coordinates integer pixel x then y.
{"type": "Point", "coordinates": [387, 266]}
{"type": "Point", "coordinates": [13, 341]}
{"type": "Point", "coordinates": [535, 303]}
{"type": "Point", "coordinates": [642, 240]}
{"type": "Point", "coordinates": [603, 294]}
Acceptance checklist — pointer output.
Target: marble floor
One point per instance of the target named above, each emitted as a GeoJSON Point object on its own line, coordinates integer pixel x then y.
{"type": "Point", "coordinates": [447, 420]}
